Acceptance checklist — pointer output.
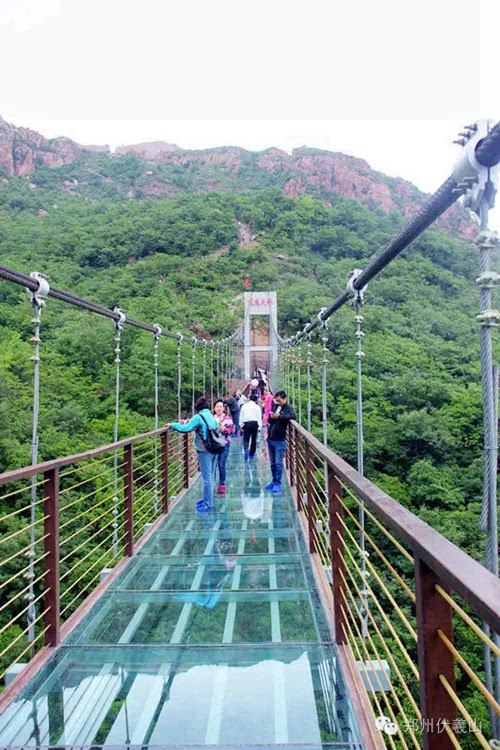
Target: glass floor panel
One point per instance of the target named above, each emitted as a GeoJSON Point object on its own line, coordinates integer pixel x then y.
{"type": "Point", "coordinates": [251, 541]}
{"type": "Point", "coordinates": [239, 573]}
{"type": "Point", "coordinates": [197, 696]}
{"type": "Point", "coordinates": [213, 635]}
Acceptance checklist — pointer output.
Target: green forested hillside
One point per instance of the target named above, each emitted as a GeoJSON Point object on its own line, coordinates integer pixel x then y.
{"type": "Point", "coordinates": [158, 261]}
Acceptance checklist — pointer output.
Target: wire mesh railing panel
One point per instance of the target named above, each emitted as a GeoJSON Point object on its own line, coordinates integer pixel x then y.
{"type": "Point", "coordinates": [147, 484]}
{"type": "Point", "coordinates": [22, 570]}
{"type": "Point", "coordinates": [67, 522]}
{"type": "Point", "coordinates": [423, 656]}
{"type": "Point", "coordinates": [91, 525]}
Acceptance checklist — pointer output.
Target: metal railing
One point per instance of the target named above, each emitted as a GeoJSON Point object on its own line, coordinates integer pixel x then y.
{"type": "Point", "coordinates": [408, 605]}
{"type": "Point", "coordinates": [91, 511]}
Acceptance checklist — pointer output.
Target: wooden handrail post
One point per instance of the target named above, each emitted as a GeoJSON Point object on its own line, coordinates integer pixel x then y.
{"type": "Point", "coordinates": [128, 498]}
{"type": "Point", "coordinates": [186, 459]}
{"type": "Point", "coordinates": [335, 510]}
{"type": "Point", "coordinates": [433, 613]}
{"type": "Point", "coordinates": [291, 460]}
{"type": "Point", "coordinates": [311, 505]}
{"type": "Point", "coordinates": [51, 561]}
{"type": "Point", "coordinates": [298, 480]}
{"type": "Point", "coordinates": [164, 472]}
{"type": "Point", "coordinates": [287, 452]}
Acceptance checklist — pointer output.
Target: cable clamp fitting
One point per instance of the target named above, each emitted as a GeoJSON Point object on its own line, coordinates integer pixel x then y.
{"type": "Point", "coordinates": [489, 318]}
{"type": "Point", "coordinates": [38, 296]}
{"type": "Point", "coordinates": [474, 181]}
{"type": "Point", "coordinates": [121, 318]}
{"type": "Point", "coordinates": [356, 294]}
{"type": "Point", "coordinates": [180, 338]}
{"type": "Point", "coordinates": [158, 331]}
{"type": "Point", "coordinates": [323, 323]}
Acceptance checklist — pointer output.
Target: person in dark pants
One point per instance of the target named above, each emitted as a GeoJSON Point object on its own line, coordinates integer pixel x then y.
{"type": "Point", "coordinates": [234, 409]}
{"type": "Point", "coordinates": [281, 414]}
{"type": "Point", "coordinates": [251, 422]}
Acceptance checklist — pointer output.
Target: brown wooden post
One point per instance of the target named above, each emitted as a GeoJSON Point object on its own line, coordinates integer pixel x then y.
{"type": "Point", "coordinates": [51, 561]}
{"type": "Point", "coordinates": [186, 459]}
{"type": "Point", "coordinates": [311, 505]}
{"type": "Point", "coordinates": [291, 460]}
{"type": "Point", "coordinates": [164, 472]}
{"type": "Point", "coordinates": [128, 498]}
{"type": "Point", "coordinates": [287, 453]}
{"type": "Point", "coordinates": [433, 613]}
{"type": "Point", "coordinates": [337, 552]}
{"type": "Point", "coordinates": [298, 479]}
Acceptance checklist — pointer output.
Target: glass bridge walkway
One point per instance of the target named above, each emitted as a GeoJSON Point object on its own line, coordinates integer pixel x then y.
{"type": "Point", "coordinates": [213, 635]}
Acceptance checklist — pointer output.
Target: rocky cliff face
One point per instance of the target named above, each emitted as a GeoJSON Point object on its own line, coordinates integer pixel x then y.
{"type": "Point", "coordinates": [322, 174]}
{"type": "Point", "coordinates": [150, 150]}
{"type": "Point", "coordinates": [22, 150]}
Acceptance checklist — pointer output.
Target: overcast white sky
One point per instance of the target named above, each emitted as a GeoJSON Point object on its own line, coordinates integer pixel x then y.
{"type": "Point", "coordinates": [390, 81]}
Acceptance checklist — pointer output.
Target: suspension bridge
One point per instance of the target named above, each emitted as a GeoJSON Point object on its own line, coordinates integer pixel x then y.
{"type": "Point", "coordinates": [329, 616]}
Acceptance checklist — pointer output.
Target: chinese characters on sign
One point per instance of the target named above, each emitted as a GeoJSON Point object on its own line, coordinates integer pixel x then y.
{"type": "Point", "coordinates": [258, 301]}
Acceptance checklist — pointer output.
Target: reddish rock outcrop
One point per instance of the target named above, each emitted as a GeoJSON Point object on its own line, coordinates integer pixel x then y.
{"type": "Point", "coordinates": [22, 150]}
{"type": "Point", "coordinates": [322, 174]}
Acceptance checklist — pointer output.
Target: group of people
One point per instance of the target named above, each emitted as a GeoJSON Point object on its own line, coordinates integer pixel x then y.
{"type": "Point", "coordinates": [245, 415]}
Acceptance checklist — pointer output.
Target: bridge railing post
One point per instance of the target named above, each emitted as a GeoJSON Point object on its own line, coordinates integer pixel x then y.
{"type": "Point", "coordinates": [434, 658]}
{"type": "Point", "coordinates": [164, 472]}
{"type": "Point", "coordinates": [186, 459]}
{"type": "Point", "coordinates": [291, 461]}
{"type": "Point", "coordinates": [311, 503]}
{"type": "Point", "coordinates": [128, 498]}
{"type": "Point", "coordinates": [298, 479]}
{"type": "Point", "coordinates": [51, 560]}
{"type": "Point", "coordinates": [335, 515]}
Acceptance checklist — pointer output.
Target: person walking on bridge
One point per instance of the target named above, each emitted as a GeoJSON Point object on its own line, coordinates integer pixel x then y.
{"type": "Point", "coordinates": [234, 409]}
{"type": "Point", "coordinates": [201, 421]}
{"type": "Point", "coordinates": [281, 414]}
{"type": "Point", "coordinates": [225, 427]}
{"type": "Point", "coordinates": [251, 422]}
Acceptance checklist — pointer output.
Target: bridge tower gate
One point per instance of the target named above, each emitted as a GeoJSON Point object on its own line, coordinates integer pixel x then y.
{"type": "Point", "coordinates": [260, 338]}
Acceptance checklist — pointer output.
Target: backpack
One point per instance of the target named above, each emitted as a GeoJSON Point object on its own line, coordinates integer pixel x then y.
{"type": "Point", "coordinates": [215, 442]}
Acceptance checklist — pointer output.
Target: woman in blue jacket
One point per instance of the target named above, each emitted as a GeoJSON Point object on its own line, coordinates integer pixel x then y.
{"type": "Point", "coordinates": [208, 461]}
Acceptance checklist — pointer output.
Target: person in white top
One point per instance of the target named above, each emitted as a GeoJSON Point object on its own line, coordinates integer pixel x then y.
{"type": "Point", "coordinates": [250, 422]}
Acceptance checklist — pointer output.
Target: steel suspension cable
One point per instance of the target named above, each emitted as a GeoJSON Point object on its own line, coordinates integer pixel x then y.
{"type": "Point", "coordinates": [299, 384]}
{"type": "Point", "coordinates": [117, 343]}
{"type": "Point", "coordinates": [193, 369]}
{"type": "Point", "coordinates": [358, 301]}
{"type": "Point", "coordinates": [212, 374]}
{"type": "Point", "coordinates": [38, 301]}
{"type": "Point", "coordinates": [156, 338]}
{"type": "Point", "coordinates": [324, 365]}
{"type": "Point", "coordinates": [309, 366]}
{"type": "Point", "coordinates": [180, 338]}
{"type": "Point", "coordinates": [204, 367]}
{"type": "Point", "coordinates": [489, 318]}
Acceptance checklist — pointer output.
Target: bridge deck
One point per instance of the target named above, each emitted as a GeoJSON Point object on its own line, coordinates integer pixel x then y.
{"type": "Point", "coordinates": [213, 635]}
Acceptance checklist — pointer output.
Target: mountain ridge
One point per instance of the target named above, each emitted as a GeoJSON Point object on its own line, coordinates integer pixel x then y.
{"type": "Point", "coordinates": [163, 170]}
